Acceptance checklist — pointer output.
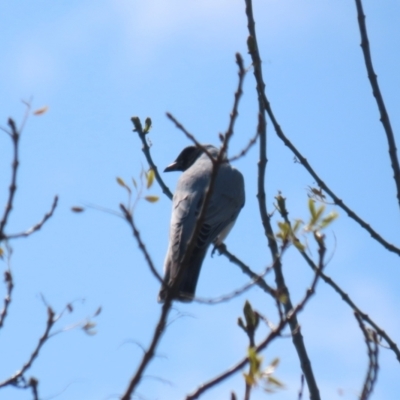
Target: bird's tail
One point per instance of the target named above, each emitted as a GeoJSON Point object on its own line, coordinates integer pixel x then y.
{"type": "Point", "coordinates": [187, 286]}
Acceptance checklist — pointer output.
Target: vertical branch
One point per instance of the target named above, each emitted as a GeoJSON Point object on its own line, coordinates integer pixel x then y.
{"type": "Point", "coordinates": [384, 116]}
{"type": "Point", "coordinates": [279, 278]}
{"type": "Point", "coordinates": [371, 341]}
{"type": "Point", "coordinates": [14, 134]}
{"type": "Point", "coordinates": [7, 299]}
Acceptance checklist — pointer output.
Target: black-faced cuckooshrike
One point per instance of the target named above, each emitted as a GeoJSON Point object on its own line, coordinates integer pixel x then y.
{"type": "Point", "coordinates": [226, 201]}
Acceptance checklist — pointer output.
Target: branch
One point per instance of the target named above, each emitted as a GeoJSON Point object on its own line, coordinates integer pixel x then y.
{"type": "Point", "coordinates": [273, 335]}
{"type": "Point", "coordinates": [14, 134]}
{"type": "Point", "coordinates": [146, 151]}
{"type": "Point", "coordinates": [384, 116]}
{"type": "Point", "coordinates": [246, 270]}
{"type": "Point", "coordinates": [38, 226]}
{"type": "Point", "coordinates": [298, 341]}
{"type": "Point", "coordinates": [129, 218]}
{"type": "Point", "coordinates": [7, 299]}
{"type": "Point", "coordinates": [320, 182]}
{"type": "Point", "coordinates": [346, 298]}
{"type": "Point", "coordinates": [15, 379]}
{"type": "Point", "coordinates": [237, 292]}
{"type": "Point", "coordinates": [371, 341]}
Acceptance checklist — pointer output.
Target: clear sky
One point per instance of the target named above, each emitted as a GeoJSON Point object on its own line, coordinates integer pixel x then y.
{"type": "Point", "coordinates": [95, 65]}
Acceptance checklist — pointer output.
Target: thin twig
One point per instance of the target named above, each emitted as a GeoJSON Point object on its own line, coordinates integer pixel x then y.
{"type": "Point", "coordinates": [14, 379]}
{"type": "Point", "coordinates": [7, 298]}
{"type": "Point", "coordinates": [384, 116]}
{"type": "Point", "coordinates": [301, 387]}
{"type": "Point", "coordinates": [14, 134]}
{"type": "Point", "coordinates": [346, 298]}
{"type": "Point", "coordinates": [129, 218]}
{"type": "Point", "coordinates": [190, 136]}
{"type": "Point", "coordinates": [371, 341]}
{"type": "Point", "coordinates": [246, 270]}
{"type": "Point", "coordinates": [146, 151]}
{"type": "Point", "coordinates": [236, 292]}
{"type": "Point", "coordinates": [298, 341]}
{"type": "Point", "coordinates": [244, 151]}
{"type": "Point", "coordinates": [38, 226]}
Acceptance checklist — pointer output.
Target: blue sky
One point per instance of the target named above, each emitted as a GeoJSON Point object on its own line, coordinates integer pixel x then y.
{"type": "Point", "coordinates": [95, 65]}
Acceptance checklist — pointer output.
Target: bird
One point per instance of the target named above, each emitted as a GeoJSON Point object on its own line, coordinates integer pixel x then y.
{"type": "Point", "coordinates": [227, 199]}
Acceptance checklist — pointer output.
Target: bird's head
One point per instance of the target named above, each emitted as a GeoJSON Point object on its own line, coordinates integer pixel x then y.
{"type": "Point", "coordinates": [188, 156]}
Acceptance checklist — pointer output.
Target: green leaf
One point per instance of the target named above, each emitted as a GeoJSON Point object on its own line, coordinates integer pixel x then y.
{"type": "Point", "coordinates": [250, 315]}
{"type": "Point", "coordinates": [147, 125]}
{"type": "Point", "coordinates": [151, 199]}
{"type": "Point", "coordinates": [121, 182]}
{"type": "Point", "coordinates": [150, 178]}
{"type": "Point", "coordinates": [311, 207]}
{"type": "Point", "coordinates": [329, 219]}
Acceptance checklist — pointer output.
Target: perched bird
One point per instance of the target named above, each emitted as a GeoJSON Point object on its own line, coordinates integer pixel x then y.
{"type": "Point", "coordinates": [224, 206]}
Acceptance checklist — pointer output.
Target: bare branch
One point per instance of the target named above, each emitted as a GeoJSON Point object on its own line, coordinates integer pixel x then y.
{"type": "Point", "coordinates": [246, 270]}
{"type": "Point", "coordinates": [298, 341]}
{"type": "Point", "coordinates": [14, 134]}
{"type": "Point", "coordinates": [301, 387]}
{"type": "Point", "coordinates": [384, 116]}
{"type": "Point", "coordinates": [7, 298]}
{"type": "Point", "coordinates": [371, 341]}
{"type": "Point", "coordinates": [244, 151]}
{"type": "Point", "coordinates": [190, 136]}
{"type": "Point", "coordinates": [237, 292]}
{"type": "Point", "coordinates": [14, 379]}
{"type": "Point", "coordinates": [146, 151]}
{"type": "Point", "coordinates": [38, 226]}
{"type": "Point", "coordinates": [346, 298]}
{"type": "Point", "coordinates": [129, 218]}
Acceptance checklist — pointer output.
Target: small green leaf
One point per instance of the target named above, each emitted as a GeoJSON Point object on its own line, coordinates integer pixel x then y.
{"type": "Point", "coordinates": [150, 178]}
{"type": "Point", "coordinates": [121, 182]}
{"type": "Point", "coordinates": [276, 382]}
{"type": "Point", "coordinates": [151, 199]}
{"type": "Point", "coordinates": [250, 315]}
{"type": "Point", "coordinates": [147, 125]}
{"type": "Point", "coordinates": [311, 207]}
{"type": "Point", "coordinates": [328, 219]}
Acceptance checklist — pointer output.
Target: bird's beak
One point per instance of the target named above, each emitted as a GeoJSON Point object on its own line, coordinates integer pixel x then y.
{"type": "Point", "coordinates": [172, 167]}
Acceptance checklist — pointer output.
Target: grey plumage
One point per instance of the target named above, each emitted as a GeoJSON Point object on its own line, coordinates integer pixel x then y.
{"type": "Point", "coordinates": [225, 204]}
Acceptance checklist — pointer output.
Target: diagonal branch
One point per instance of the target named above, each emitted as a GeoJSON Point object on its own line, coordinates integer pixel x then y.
{"type": "Point", "coordinates": [246, 270]}
{"type": "Point", "coordinates": [146, 151]}
{"type": "Point", "coordinates": [384, 116]}
{"type": "Point", "coordinates": [129, 218]}
{"type": "Point", "coordinates": [14, 380]}
{"type": "Point", "coordinates": [346, 298]}
{"type": "Point", "coordinates": [38, 226]}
